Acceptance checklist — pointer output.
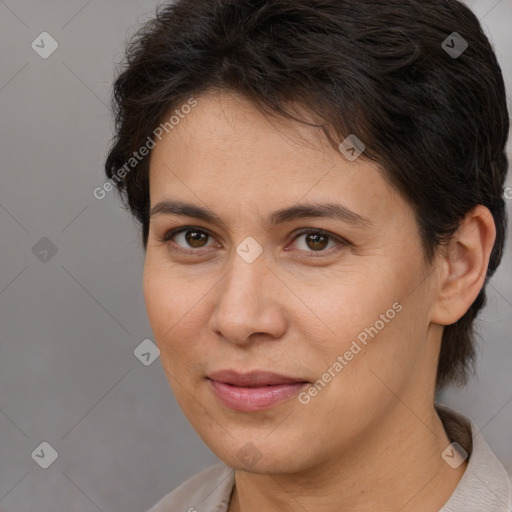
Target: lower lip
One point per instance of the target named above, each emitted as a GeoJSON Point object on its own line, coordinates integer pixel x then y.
{"type": "Point", "coordinates": [254, 399]}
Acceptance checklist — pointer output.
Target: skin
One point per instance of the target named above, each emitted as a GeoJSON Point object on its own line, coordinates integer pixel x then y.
{"type": "Point", "coordinates": [371, 438]}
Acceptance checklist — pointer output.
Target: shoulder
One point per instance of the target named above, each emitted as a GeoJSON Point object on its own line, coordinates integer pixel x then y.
{"type": "Point", "coordinates": [208, 490]}
{"type": "Point", "coordinates": [485, 485]}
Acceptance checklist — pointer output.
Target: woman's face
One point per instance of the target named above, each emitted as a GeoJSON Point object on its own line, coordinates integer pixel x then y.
{"type": "Point", "coordinates": [343, 310]}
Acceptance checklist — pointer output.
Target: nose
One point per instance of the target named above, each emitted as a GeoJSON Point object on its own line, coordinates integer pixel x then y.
{"type": "Point", "coordinates": [250, 303]}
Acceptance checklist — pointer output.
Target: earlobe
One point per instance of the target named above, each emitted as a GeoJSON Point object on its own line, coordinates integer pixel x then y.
{"type": "Point", "coordinates": [464, 266]}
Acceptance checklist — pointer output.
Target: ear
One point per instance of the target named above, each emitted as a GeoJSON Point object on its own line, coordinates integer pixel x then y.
{"type": "Point", "coordinates": [462, 266]}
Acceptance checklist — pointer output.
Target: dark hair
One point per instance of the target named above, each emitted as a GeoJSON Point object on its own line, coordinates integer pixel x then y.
{"type": "Point", "coordinates": [437, 122]}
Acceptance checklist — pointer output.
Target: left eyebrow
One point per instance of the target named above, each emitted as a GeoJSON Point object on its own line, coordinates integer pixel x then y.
{"type": "Point", "coordinates": [300, 211]}
{"type": "Point", "coordinates": [328, 210]}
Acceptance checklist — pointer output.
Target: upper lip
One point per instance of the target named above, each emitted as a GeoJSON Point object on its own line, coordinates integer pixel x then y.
{"type": "Point", "coordinates": [253, 378]}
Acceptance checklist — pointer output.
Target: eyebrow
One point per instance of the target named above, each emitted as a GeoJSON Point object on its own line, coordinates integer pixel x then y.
{"type": "Point", "coordinates": [301, 211]}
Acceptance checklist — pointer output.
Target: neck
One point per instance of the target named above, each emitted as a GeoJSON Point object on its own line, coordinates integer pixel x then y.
{"type": "Point", "coordinates": [396, 467]}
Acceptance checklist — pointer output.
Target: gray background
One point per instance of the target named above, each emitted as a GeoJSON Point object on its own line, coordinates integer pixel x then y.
{"type": "Point", "coordinates": [69, 325]}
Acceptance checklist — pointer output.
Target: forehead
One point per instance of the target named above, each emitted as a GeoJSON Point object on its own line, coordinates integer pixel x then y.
{"type": "Point", "coordinates": [225, 124]}
{"type": "Point", "coordinates": [227, 154]}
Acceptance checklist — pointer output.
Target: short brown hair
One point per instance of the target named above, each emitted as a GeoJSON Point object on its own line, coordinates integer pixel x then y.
{"type": "Point", "coordinates": [436, 122]}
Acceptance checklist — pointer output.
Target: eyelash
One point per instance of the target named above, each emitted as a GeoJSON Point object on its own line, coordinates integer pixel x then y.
{"type": "Point", "coordinates": [173, 232]}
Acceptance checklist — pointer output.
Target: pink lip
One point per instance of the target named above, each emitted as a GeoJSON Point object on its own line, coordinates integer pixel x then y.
{"type": "Point", "coordinates": [254, 391]}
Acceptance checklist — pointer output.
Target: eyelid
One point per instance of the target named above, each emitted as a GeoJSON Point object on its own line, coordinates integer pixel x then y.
{"type": "Point", "coordinates": [342, 242]}
{"type": "Point", "coordinates": [171, 233]}
{"type": "Point", "coordinates": [168, 235]}
{"type": "Point", "coordinates": [175, 231]}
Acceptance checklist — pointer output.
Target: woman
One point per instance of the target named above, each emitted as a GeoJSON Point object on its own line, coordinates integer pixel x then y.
{"type": "Point", "coordinates": [319, 185]}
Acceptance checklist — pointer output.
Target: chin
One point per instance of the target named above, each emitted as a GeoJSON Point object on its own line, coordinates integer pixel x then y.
{"type": "Point", "coordinates": [260, 457]}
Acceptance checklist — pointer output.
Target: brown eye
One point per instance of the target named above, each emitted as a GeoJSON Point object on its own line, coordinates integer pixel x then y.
{"type": "Point", "coordinates": [311, 242]}
{"type": "Point", "coordinates": [316, 241]}
{"type": "Point", "coordinates": [187, 238]}
{"type": "Point", "coordinates": [195, 238]}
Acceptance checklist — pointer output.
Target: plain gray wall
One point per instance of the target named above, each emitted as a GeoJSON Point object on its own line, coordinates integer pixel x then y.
{"type": "Point", "coordinates": [69, 325]}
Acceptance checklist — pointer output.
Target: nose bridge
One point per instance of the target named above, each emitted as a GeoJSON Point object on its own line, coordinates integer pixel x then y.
{"type": "Point", "coordinates": [246, 304]}
{"type": "Point", "coordinates": [246, 280]}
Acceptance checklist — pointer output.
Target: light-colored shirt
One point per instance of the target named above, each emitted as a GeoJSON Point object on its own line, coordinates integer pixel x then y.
{"type": "Point", "coordinates": [484, 487]}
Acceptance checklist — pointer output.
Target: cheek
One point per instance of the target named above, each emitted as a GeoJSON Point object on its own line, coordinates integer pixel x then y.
{"type": "Point", "coordinates": [172, 309]}
{"type": "Point", "coordinates": [369, 319]}
{"type": "Point", "coordinates": [385, 350]}
{"type": "Point", "coordinates": [163, 305]}
{"type": "Point", "coordinates": [349, 311]}
{"type": "Point", "coordinates": [156, 299]}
